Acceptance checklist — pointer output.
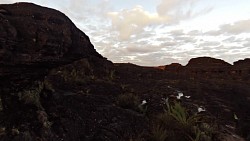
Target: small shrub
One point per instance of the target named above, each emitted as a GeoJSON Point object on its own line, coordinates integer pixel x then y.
{"type": "Point", "coordinates": [2, 131]}
{"type": "Point", "coordinates": [173, 130]}
{"type": "Point", "coordinates": [112, 74]}
{"type": "Point", "coordinates": [32, 95]}
{"type": "Point", "coordinates": [128, 101]}
{"type": "Point", "coordinates": [143, 108]}
{"type": "Point", "coordinates": [48, 85]}
{"type": "Point", "coordinates": [176, 124]}
{"type": "Point", "coordinates": [180, 114]}
{"type": "Point", "coordinates": [159, 133]}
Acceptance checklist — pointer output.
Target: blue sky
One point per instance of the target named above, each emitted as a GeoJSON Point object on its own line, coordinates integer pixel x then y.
{"type": "Point", "coordinates": [159, 32]}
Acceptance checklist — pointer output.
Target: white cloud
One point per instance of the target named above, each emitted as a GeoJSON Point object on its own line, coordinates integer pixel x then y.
{"type": "Point", "coordinates": [168, 7]}
{"type": "Point", "coordinates": [128, 22]}
{"type": "Point", "coordinates": [180, 9]}
{"type": "Point", "coordinates": [133, 21]}
{"type": "Point", "coordinates": [237, 27]}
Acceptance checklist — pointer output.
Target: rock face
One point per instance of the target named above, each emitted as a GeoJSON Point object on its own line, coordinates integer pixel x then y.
{"type": "Point", "coordinates": [243, 63]}
{"type": "Point", "coordinates": [207, 67]}
{"type": "Point", "coordinates": [174, 67]}
{"type": "Point", "coordinates": [207, 62]}
{"type": "Point", "coordinates": [34, 41]}
{"type": "Point", "coordinates": [35, 38]}
{"type": "Point", "coordinates": [241, 69]}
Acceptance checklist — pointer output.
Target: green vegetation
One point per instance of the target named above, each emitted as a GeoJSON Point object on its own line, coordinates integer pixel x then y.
{"type": "Point", "coordinates": [128, 101]}
{"type": "Point", "coordinates": [179, 113]}
{"type": "Point", "coordinates": [32, 95]}
{"type": "Point", "coordinates": [159, 133]}
{"type": "Point", "coordinates": [48, 85]}
{"type": "Point", "coordinates": [112, 74]}
{"type": "Point", "coordinates": [176, 124]}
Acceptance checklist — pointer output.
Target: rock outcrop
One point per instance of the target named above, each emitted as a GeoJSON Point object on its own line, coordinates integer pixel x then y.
{"type": "Point", "coordinates": [205, 62]}
{"type": "Point", "coordinates": [207, 67]}
{"type": "Point", "coordinates": [242, 63]}
{"type": "Point", "coordinates": [241, 69]}
{"type": "Point", "coordinates": [174, 67]}
{"type": "Point", "coordinates": [34, 39]}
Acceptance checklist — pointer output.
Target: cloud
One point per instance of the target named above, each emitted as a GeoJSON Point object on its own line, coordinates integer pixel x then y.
{"type": "Point", "coordinates": [247, 44]}
{"type": "Point", "coordinates": [238, 27]}
{"type": "Point", "coordinates": [194, 33]}
{"type": "Point", "coordinates": [167, 6]}
{"type": "Point", "coordinates": [138, 48]}
{"type": "Point", "coordinates": [133, 21]}
{"type": "Point", "coordinates": [180, 9]}
{"type": "Point", "coordinates": [7, 1]}
{"type": "Point", "coordinates": [210, 44]}
{"type": "Point", "coordinates": [128, 22]}
{"type": "Point", "coordinates": [178, 32]}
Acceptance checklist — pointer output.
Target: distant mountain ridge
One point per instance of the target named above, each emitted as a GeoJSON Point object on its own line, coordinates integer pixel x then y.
{"type": "Point", "coordinates": [208, 67]}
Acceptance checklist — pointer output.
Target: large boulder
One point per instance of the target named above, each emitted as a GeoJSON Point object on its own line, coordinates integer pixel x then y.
{"type": "Point", "coordinates": [34, 39]}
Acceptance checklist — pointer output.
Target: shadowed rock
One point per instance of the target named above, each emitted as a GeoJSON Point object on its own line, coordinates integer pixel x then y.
{"type": "Point", "coordinates": [207, 62]}
{"type": "Point", "coordinates": [35, 38]}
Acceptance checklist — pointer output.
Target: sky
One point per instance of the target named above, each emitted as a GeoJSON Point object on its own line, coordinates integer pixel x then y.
{"type": "Point", "coordinates": [160, 32]}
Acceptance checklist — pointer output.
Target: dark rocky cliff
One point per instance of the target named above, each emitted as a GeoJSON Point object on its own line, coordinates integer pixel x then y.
{"type": "Point", "coordinates": [36, 44]}
{"type": "Point", "coordinates": [35, 38]}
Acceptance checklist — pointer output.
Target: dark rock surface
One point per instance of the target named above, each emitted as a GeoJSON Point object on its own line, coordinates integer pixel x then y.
{"type": "Point", "coordinates": [174, 67]}
{"type": "Point", "coordinates": [207, 62]}
{"type": "Point", "coordinates": [207, 67]}
{"type": "Point", "coordinates": [243, 63]}
{"type": "Point", "coordinates": [35, 38]}
{"type": "Point", "coordinates": [212, 68]}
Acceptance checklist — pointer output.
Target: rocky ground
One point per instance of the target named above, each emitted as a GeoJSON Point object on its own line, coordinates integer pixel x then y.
{"type": "Point", "coordinates": [54, 86]}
